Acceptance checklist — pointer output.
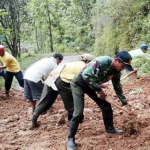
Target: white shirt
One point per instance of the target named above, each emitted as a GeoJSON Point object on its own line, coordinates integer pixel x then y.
{"type": "Point", "coordinates": [40, 70]}
{"type": "Point", "coordinates": [137, 54]}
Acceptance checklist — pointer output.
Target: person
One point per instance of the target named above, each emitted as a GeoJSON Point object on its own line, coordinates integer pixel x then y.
{"type": "Point", "coordinates": [138, 54]}
{"type": "Point", "coordinates": [36, 74]}
{"type": "Point", "coordinates": [12, 69]}
{"type": "Point", "coordinates": [64, 76]}
{"type": "Point", "coordinates": [2, 72]}
{"type": "Point", "coordinates": [99, 71]}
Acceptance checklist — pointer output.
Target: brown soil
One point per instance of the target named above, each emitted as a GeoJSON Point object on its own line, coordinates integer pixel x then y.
{"type": "Point", "coordinates": [52, 133]}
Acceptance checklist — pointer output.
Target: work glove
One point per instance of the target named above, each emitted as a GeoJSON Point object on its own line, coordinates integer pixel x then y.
{"type": "Point", "coordinates": [122, 99]}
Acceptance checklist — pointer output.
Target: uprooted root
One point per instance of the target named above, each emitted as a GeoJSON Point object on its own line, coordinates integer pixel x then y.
{"type": "Point", "coordinates": [131, 127]}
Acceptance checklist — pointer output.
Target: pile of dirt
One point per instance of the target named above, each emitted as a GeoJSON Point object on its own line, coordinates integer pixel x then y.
{"type": "Point", "coordinates": [53, 131]}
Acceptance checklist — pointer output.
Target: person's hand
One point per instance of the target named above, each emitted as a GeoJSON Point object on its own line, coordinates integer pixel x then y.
{"type": "Point", "coordinates": [101, 95]}
{"type": "Point", "coordinates": [104, 85]}
{"type": "Point", "coordinates": [135, 69]}
{"type": "Point", "coordinates": [124, 102]}
{"type": "Point", "coordinates": [122, 99]}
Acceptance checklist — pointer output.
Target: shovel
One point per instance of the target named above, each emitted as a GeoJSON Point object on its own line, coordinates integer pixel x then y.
{"type": "Point", "coordinates": [129, 74]}
{"type": "Point", "coordinates": [132, 74]}
{"type": "Point", "coordinates": [116, 105]}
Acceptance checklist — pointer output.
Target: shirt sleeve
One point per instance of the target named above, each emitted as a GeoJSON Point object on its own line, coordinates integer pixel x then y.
{"type": "Point", "coordinates": [91, 76]}
{"type": "Point", "coordinates": [117, 85]}
{"type": "Point", "coordinates": [147, 56]}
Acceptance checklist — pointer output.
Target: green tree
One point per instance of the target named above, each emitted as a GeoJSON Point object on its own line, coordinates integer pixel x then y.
{"type": "Point", "coordinates": [120, 24]}
{"type": "Point", "coordinates": [3, 32]}
{"type": "Point", "coordinates": [13, 21]}
{"type": "Point", "coordinates": [61, 25]}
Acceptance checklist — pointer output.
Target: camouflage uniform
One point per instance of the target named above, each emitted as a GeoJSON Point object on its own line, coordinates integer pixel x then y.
{"type": "Point", "coordinates": [88, 81]}
{"type": "Point", "coordinates": [99, 71]}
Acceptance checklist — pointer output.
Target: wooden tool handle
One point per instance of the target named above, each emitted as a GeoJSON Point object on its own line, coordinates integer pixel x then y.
{"type": "Point", "coordinates": [114, 104]}
{"type": "Point", "coordinates": [129, 74]}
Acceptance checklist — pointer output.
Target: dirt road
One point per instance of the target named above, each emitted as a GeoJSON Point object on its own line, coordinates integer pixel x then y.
{"type": "Point", "coordinates": [15, 123]}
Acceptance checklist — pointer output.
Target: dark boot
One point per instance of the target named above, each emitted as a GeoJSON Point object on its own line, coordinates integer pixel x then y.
{"type": "Point", "coordinates": [71, 138]}
{"type": "Point", "coordinates": [109, 127]}
{"type": "Point", "coordinates": [71, 144]}
{"type": "Point", "coordinates": [7, 93]}
{"type": "Point", "coordinates": [35, 124]}
{"type": "Point", "coordinates": [113, 130]}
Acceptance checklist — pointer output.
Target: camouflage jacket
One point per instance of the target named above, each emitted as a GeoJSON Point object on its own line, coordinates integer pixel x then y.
{"type": "Point", "coordinates": [98, 71]}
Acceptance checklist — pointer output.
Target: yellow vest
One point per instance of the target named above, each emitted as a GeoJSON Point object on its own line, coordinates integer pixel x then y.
{"type": "Point", "coordinates": [71, 69]}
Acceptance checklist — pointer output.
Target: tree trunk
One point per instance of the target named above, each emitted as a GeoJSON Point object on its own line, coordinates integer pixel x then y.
{"type": "Point", "coordinates": [50, 27]}
{"type": "Point", "coordinates": [37, 44]}
{"type": "Point", "coordinates": [19, 48]}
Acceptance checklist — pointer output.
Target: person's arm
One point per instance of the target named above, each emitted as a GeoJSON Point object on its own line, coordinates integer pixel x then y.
{"type": "Point", "coordinates": [118, 88]}
{"type": "Point", "coordinates": [6, 63]}
{"type": "Point", "coordinates": [147, 56]}
{"type": "Point", "coordinates": [2, 67]}
{"type": "Point", "coordinates": [90, 75]}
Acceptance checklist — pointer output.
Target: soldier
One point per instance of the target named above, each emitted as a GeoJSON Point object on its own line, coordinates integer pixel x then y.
{"type": "Point", "coordinates": [89, 81]}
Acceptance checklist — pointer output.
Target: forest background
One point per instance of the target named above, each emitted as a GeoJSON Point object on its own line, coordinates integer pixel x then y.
{"type": "Point", "coordinates": [29, 28]}
{"type": "Point", "coordinates": [98, 26]}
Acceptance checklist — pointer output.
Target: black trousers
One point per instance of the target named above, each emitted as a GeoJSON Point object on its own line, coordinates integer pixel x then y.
{"type": "Point", "coordinates": [2, 73]}
{"type": "Point", "coordinates": [65, 92]}
{"type": "Point", "coordinates": [9, 78]}
{"type": "Point", "coordinates": [48, 97]}
{"type": "Point", "coordinates": [79, 88]}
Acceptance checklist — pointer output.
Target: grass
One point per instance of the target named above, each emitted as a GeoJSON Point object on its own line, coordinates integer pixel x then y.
{"type": "Point", "coordinates": [30, 57]}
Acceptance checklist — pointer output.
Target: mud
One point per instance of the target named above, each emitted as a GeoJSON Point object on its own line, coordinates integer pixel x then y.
{"type": "Point", "coordinates": [53, 131]}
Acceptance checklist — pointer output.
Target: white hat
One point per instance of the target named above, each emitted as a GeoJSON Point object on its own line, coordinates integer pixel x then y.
{"type": "Point", "coordinates": [87, 56]}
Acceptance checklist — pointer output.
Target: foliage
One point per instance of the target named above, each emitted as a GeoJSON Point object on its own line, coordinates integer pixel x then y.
{"type": "Point", "coordinates": [16, 14]}
{"type": "Point", "coordinates": [2, 82]}
{"type": "Point", "coordinates": [3, 32]}
{"type": "Point", "coordinates": [70, 25]}
{"type": "Point", "coordinates": [121, 24]}
{"type": "Point", "coordinates": [99, 26]}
